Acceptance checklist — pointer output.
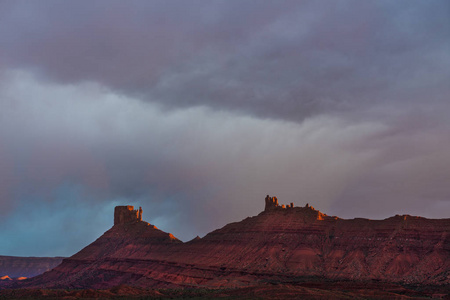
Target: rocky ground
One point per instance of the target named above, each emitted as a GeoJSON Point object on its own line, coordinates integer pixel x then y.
{"type": "Point", "coordinates": [312, 288]}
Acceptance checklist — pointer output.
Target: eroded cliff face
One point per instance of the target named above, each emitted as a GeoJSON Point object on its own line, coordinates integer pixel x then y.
{"type": "Point", "coordinates": [127, 214]}
{"type": "Point", "coordinates": [279, 244]}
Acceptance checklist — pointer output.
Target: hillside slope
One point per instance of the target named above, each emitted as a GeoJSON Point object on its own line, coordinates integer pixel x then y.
{"type": "Point", "coordinates": [279, 244]}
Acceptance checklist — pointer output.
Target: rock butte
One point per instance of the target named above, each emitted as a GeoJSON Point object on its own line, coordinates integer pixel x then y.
{"type": "Point", "coordinates": [281, 244]}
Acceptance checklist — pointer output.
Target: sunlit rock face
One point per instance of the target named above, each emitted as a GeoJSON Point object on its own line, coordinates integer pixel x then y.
{"type": "Point", "coordinates": [127, 214]}
{"type": "Point", "coordinates": [278, 244]}
{"type": "Point", "coordinates": [271, 203]}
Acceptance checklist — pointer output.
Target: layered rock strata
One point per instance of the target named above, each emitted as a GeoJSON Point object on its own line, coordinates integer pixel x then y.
{"type": "Point", "coordinates": [278, 244]}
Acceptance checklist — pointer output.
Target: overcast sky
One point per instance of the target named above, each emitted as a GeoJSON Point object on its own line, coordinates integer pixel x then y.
{"type": "Point", "coordinates": [195, 110]}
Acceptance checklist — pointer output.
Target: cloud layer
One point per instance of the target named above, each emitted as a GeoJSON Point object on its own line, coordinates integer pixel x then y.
{"type": "Point", "coordinates": [287, 59]}
{"type": "Point", "coordinates": [195, 111]}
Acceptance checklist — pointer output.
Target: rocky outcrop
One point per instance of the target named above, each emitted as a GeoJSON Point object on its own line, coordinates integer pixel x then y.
{"type": "Point", "coordinates": [272, 203]}
{"type": "Point", "coordinates": [15, 266]}
{"type": "Point", "coordinates": [277, 245]}
{"type": "Point", "coordinates": [127, 214]}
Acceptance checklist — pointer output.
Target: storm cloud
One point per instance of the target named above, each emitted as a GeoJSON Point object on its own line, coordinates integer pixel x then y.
{"type": "Point", "coordinates": [196, 110]}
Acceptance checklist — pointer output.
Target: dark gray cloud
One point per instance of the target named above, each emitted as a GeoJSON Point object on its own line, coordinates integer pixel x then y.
{"type": "Point", "coordinates": [196, 110]}
{"type": "Point", "coordinates": [287, 59]}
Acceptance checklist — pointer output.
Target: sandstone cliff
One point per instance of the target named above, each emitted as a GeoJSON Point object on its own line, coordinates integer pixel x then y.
{"type": "Point", "coordinates": [281, 243]}
{"type": "Point", "coordinates": [127, 214]}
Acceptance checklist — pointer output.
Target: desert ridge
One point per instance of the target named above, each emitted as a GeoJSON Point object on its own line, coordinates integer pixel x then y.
{"type": "Point", "coordinates": [283, 243]}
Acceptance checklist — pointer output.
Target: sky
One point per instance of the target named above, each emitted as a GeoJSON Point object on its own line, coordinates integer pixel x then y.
{"type": "Point", "coordinates": [196, 110]}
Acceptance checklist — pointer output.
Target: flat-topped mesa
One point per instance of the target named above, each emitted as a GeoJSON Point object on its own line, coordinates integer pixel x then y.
{"type": "Point", "coordinates": [127, 214]}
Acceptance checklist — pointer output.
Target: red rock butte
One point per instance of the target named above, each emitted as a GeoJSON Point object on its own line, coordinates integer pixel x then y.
{"type": "Point", "coordinates": [281, 244]}
{"type": "Point", "coordinates": [127, 214]}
